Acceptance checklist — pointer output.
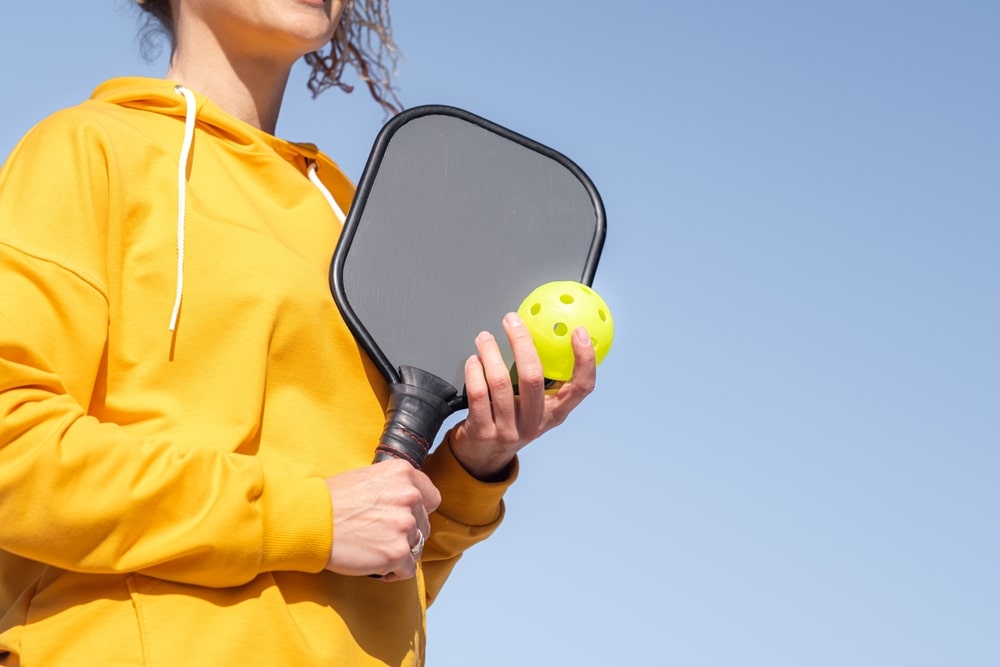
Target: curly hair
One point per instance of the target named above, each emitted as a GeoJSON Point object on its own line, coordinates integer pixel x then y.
{"type": "Point", "coordinates": [363, 40]}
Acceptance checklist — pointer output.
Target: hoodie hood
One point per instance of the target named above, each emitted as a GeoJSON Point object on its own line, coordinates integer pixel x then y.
{"type": "Point", "coordinates": [160, 96]}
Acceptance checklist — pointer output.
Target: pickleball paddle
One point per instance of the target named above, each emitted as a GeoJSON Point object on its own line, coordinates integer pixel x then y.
{"type": "Point", "coordinates": [454, 221]}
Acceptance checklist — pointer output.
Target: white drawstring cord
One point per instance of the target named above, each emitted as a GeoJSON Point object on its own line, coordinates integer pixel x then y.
{"type": "Point", "coordinates": [189, 121]}
{"type": "Point", "coordinates": [314, 177]}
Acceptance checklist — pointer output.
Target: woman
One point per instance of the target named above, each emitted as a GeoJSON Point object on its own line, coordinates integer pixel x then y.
{"type": "Point", "coordinates": [186, 424]}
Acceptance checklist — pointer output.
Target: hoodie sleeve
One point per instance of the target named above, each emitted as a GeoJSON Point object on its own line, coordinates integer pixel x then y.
{"type": "Point", "coordinates": [88, 496]}
{"type": "Point", "coordinates": [470, 511]}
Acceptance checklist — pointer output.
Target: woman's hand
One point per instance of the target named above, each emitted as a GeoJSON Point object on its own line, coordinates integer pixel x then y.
{"type": "Point", "coordinates": [499, 423]}
{"type": "Point", "coordinates": [380, 519]}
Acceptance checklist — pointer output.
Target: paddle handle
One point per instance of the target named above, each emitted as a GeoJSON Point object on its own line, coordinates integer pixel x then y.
{"type": "Point", "coordinates": [417, 408]}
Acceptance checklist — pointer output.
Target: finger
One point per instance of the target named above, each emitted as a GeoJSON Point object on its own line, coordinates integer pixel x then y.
{"type": "Point", "coordinates": [417, 541]}
{"type": "Point", "coordinates": [530, 379]}
{"type": "Point", "coordinates": [500, 385]}
{"type": "Point", "coordinates": [429, 494]}
{"type": "Point", "coordinates": [413, 488]}
{"type": "Point", "coordinates": [406, 569]}
{"type": "Point", "coordinates": [584, 361]}
{"type": "Point", "coordinates": [584, 377]}
{"type": "Point", "coordinates": [477, 392]}
{"type": "Point", "coordinates": [404, 566]}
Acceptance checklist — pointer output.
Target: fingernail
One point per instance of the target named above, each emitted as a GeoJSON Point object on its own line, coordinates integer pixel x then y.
{"type": "Point", "coordinates": [581, 335]}
{"type": "Point", "coordinates": [512, 320]}
{"type": "Point", "coordinates": [484, 335]}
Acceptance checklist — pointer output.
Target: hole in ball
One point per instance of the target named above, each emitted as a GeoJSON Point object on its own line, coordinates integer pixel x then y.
{"type": "Point", "coordinates": [566, 298]}
{"type": "Point", "coordinates": [560, 328]}
{"type": "Point", "coordinates": [536, 308]}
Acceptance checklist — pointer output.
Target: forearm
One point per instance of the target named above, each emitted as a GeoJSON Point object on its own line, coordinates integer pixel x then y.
{"type": "Point", "coordinates": [80, 494]}
{"type": "Point", "coordinates": [86, 496]}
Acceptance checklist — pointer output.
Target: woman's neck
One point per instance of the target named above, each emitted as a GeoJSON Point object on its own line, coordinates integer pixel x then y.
{"type": "Point", "coordinates": [248, 86]}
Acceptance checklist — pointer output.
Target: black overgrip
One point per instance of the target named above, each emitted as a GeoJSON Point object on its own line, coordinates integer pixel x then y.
{"type": "Point", "coordinates": [417, 407]}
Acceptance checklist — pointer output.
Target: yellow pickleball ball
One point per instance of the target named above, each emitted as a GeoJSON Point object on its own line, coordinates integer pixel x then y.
{"type": "Point", "coordinates": [553, 311]}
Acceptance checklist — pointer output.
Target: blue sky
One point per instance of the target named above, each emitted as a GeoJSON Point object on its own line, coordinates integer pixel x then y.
{"type": "Point", "coordinates": [793, 451]}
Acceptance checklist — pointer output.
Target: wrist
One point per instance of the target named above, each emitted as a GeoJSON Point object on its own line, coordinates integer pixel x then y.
{"type": "Point", "coordinates": [490, 472]}
{"type": "Point", "coordinates": [485, 467]}
{"type": "Point", "coordinates": [489, 467]}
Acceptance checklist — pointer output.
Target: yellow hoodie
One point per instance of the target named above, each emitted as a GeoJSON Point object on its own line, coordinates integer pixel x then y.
{"type": "Point", "coordinates": [161, 492]}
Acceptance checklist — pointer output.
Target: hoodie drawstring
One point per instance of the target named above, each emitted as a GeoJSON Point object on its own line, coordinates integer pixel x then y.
{"type": "Point", "coordinates": [314, 177]}
{"type": "Point", "coordinates": [182, 165]}
{"type": "Point", "coordinates": [190, 118]}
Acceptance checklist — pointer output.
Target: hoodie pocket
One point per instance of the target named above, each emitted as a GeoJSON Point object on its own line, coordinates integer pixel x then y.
{"type": "Point", "coordinates": [76, 619]}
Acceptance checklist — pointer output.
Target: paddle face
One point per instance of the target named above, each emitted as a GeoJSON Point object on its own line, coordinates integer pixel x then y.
{"type": "Point", "coordinates": [454, 222]}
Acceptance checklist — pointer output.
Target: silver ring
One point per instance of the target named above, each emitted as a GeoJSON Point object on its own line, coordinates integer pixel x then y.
{"type": "Point", "coordinates": [419, 547]}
